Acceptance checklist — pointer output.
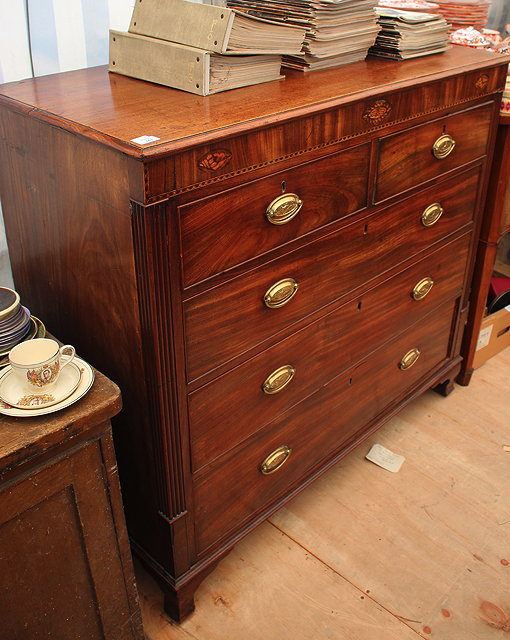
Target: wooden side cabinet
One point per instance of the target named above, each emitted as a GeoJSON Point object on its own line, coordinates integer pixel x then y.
{"type": "Point", "coordinates": [65, 565]}
{"type": "Point", "coordinates": [496, 223]}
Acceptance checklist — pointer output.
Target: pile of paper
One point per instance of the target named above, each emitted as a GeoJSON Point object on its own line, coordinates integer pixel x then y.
{"type": "Point", "coordinates": [408, 34]}
{"type": "Point", "coordinates": [337, 31]}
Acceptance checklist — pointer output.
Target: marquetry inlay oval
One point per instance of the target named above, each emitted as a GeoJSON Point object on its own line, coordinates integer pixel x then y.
{"type": "Point", "coordinates": [215, 160]}
{"type": "Point", "coordinates": [377, 112]}
{"type": "Point", "coordinates": [482, 82]}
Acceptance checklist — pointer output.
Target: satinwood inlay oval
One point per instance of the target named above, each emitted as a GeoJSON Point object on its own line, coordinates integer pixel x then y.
{"type": "Point", "coordinates": [215, 160]}
{"type": "Point", "coordinates": [377, 112]}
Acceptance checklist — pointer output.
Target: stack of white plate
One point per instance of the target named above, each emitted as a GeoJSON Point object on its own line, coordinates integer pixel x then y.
{"type": "Point", "coordinates": [18, 325]}
{"type": "Point", "coordinates": [465, 13]}
{"type": "Point", "coordinates": [15, 321]}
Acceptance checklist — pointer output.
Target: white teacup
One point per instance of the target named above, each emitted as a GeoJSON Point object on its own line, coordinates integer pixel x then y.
{"type": "Point", "coordinates": [37, 363]}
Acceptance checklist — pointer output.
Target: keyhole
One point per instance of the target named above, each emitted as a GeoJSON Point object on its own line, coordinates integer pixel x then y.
{"type": "Point", "coordinates": [365, 229]}
{"type": "Point", "coordinates": [359, 305]}
{"type": "Point", "coordinates": [284, 186]}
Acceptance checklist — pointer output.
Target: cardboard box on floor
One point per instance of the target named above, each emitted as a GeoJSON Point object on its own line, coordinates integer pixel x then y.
{"type": "Point", "coordinates": [494, 336]}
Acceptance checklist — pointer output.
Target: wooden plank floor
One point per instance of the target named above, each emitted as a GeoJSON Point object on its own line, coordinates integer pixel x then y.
{"type": "Point", "coordinates": [365, 554]}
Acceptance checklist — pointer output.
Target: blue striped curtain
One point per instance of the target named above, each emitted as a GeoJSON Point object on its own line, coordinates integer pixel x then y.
{"type": "Point", "coordinates": [38, 37]}
{"type": "Point", "coordinates": [46, 36]}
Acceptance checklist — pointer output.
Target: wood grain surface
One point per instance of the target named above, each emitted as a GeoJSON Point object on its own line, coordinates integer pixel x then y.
{"type": "Point", "coordinates": [325, 270]}
{"type": "Point", "coordinates": [111, 107]}
{"type": "Point", "coordinates": [413, 148]}
{"type": "Point", "coordinates": [24, 439]}
{"type": "Point", "coordinates": [65, 561]}
{"type": "Point", "coordinates": [227, 229]}
{"type": "Point", "coordinates": [233, 406]}
{"type": "Point", "coordinates": [342, 405]}
{"type": "Point", "coordinates": [495, 224]}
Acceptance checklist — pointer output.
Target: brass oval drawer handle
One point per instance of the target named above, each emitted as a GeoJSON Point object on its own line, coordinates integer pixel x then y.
{"type": "Point", "coordinates": [280, 293]}
{"type": "Point", "coordinates": [443, 146]}
{"type": "Point", "coordinates": [431, 214]}
{"type": "Point", "coordinates": [275, 460]}
{"type": "Point", "coordinates": [279, 379]}
{"type": "Point", "coordinates": [422, 288]}
{"type": "Point", "coordinates": [409, 359]}
{"type": "Point", "coordinates": [283, 208]}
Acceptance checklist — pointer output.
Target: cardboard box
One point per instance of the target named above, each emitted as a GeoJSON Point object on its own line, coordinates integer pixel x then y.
{"type": "Point", "coordinates": [494, 336]}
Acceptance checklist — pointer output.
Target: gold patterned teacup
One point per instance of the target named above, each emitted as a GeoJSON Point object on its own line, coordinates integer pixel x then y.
{"type": "Point", "coordinates": [37, 363]}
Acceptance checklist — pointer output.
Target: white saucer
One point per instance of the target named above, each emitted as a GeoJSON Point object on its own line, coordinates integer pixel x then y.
{"type": "Point", "coordinates": [86, 378]}
{"type": "Point", "coordinates": [15, 394]}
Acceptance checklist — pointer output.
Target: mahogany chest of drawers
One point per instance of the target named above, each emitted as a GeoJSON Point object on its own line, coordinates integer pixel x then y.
{"type": "Point", "coordinates": [268, 280]}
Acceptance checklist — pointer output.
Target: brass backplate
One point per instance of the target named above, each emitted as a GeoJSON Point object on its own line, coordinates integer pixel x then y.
{"type": "Point", "coordinates": [279, 379]}
{"type": "Point", "coordinates": [275, 460]}
{"type": "Point", "coordinates": [409, 359]}
{"type": "Point", "coordinates": [443, 146]}
{"type": "Point", "coordinates": [280, 293]}
{"type": "Point", "coordinates": [283, 208]}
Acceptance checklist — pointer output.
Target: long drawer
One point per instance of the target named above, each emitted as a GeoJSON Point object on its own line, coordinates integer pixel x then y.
{"type": "Point", "coordinates": [235, 489]}
{"type": "Point", "coordinates": [229, 319]}
{"type": "Point", "coordinates": [422, 153]}
{"type": "Point", "coordinates": [237, 404]}
{"type": "Point", "coordinates": [239, 224]}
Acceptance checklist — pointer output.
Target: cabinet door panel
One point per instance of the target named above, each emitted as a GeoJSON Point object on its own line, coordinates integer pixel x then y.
{"type": "Point", "coordinates": [58, 535]}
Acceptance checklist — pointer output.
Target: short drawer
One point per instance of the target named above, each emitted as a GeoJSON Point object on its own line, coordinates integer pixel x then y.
{"type": "Point", "coordinates": [229, 319]}
{"type": "Point", "coordinates": [235, 490]}
{"type": "Point", "coordinates": [222, 231]}
{"type": "Point", "coordinates": [407, 159]}
{"type": "Point", "coordinates": [237, 404]}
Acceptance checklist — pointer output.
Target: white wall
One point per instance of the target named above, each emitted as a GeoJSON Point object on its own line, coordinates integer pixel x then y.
{"type": "Point", "coordinates": [499, 14]}
{"type": "Point", "coordinates": [46, 36]}
{"type": "Point", "coordinates": [38, 37]}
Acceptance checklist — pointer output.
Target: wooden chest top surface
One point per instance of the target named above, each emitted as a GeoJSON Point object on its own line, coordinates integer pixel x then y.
{"type": "Point", "coordinates": [115, 109]}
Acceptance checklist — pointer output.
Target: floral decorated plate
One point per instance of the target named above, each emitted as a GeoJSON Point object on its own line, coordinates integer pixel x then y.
{"type": "Point", "coordinates": [84, 384]}
{"type": "Point", "coordinates": [15, 394]}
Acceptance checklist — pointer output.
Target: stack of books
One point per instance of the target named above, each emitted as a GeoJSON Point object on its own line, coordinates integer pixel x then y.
{"type": "Point", "coordinates": [408, 34]}
{"type": "Point", "coordinates": [201, 48]}
{"type": "Point", "coordinates": [337, 31]}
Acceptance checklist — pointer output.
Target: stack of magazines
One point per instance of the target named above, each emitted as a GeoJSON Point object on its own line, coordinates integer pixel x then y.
{"type": "Point", "coordinates": [201, 48]}
{"type": "Point", "coordinates": [337, 31]}
{"type": "Point", "coordinates": [408, 34]}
